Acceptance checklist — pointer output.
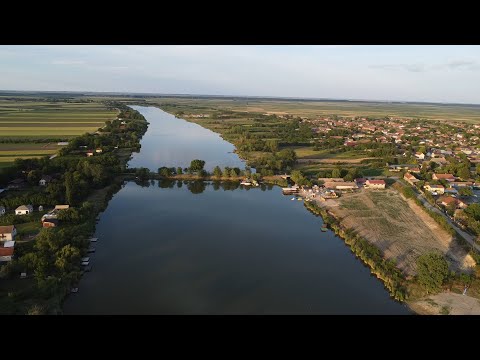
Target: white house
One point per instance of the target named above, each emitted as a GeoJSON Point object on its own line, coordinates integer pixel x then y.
{"type": "Point", "coordinates": [7, 233]}
{"type": "Point", "coordinates": [2, 210]}
{"type": "Point", "coordinates": [24, 210]}
{"type": "Point", "coordinates": [420, 155]}
{"type": "Point", "coordinates": [45, 180]}
{"type": "Point", "coordinates": [438, 189]}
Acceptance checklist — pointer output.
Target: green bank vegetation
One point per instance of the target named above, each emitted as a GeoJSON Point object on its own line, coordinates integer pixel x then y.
{"type": "Point", "coordinates": [52, 260]}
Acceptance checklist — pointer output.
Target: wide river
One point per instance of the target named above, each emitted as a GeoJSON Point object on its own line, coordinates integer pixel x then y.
{"type": "Point", "coordinates": [207, 248]}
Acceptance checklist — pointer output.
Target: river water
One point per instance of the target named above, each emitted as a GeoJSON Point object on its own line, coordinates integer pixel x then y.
{"type": "Point", "coordinates": [173, 247]}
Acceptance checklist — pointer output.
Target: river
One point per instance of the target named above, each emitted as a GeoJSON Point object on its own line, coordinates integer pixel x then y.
{"type": "Point", "coordinates": [173, 247]}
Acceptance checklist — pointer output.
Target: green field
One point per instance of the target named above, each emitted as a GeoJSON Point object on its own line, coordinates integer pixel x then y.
{"type": "Point", "coordinates": [312, 109]}
{"type": "Point", "coordinates": [22, 119]}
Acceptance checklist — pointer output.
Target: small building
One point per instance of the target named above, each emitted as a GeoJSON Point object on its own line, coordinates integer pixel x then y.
{"type": "Point", "coordinates": [99, 151]}
{"type": "Point", "coordinates": [61, 207]}
{"type": "Point", "coordinates": [2, 210]}
{"type": "Point", "coordinates": [415, 170]}
{"type": "Point", "coordinates": [375, 184]}
{"type": "Point", "coordinates": [411, 179]}
{"type": "Point", "coordinates": [44, 180]}
{"type": "Point", "coordinates": [435, 189]}
{"type": "Point", "coordinates": [420, 156]}
{"type": "Point", "coordinates": [48, 223]}
{"type": "Point", "coordinates": [6, 253]}
{"type": "Point", "coordinates": [24, 210]}
{"type": "Point", "coordinates": [447, 177]}
{"type": "Point", "coordinates": [7, 233]}
{"type": "Point", "coordinates": [341, 185]}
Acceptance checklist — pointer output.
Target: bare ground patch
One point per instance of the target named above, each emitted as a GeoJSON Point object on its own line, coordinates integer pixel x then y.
{"type": "Point", "coordinates": [446, 303]}
{"type": "Point", "coordinates": [401, 229]}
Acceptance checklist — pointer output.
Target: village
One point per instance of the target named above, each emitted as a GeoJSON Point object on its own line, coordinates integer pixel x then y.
{"type": "Point", "coordinates": [439, 160]}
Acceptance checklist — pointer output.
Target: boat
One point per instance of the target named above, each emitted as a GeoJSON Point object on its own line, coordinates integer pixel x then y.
{"type": "Point", "coordinates": [246, 183]}
{"type": "Point", "coordinates": [85, 263]}
{"type": "Point", "coordinates": [299, 199]}
{"type": "Point", "coordinates": [324, 227]}
{"type": "Point", "coordinates": [292, 198]}
{"type": "Point", "coordinates": [74, 290]}
{"type": "Point", "coordinates": [91, 250]}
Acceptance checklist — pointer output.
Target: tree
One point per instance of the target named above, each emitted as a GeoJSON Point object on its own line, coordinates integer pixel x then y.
{"type": "Point", "coordinates": [432, 270]}
{"type": "Point", "coordinates": [164, 171]}
{"type": "Point", "coordinates": [217, 172]}
{"type": "Point", "coordinates": [226, 172]}
{"type": "Point", "coordinates": [68, 258]}
{"type": "Point", "coordinates": [271, 145]}
{"type": "Point", "coordinates": [196, 165]}
{"type": "Point", "coordinates": [142, 173]}
{"type": "Point", "coordinates": [465, 191]}
{"type": "Point", "coordinates": [336, 173]}
{"type": "Point", "coordinates": [464, 173]}
{"type": "Point", "coordinates": [69, 188]}
{"type": "Point", "coordinates": [179, 171]}
{"type": "Point", "coordinates": [473, 210]}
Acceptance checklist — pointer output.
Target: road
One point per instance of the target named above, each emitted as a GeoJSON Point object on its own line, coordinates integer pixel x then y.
{"type": "Point", "coordinates": [469, 238]}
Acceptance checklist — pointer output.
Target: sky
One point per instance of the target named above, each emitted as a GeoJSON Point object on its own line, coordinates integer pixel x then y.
{"type": "Point", "coordinates": [396, 73]}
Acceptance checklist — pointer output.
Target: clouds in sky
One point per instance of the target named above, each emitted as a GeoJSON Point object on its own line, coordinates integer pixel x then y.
{"type": "Point", "coordinates": [406, 73]}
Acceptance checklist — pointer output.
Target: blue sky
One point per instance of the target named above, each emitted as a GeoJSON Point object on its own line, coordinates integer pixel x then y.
{"type": "Point", "coordinates": [404, 73]}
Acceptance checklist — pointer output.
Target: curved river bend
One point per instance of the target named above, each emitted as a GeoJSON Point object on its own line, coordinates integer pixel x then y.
{"type": "Point", "coordinates": [207, 248]}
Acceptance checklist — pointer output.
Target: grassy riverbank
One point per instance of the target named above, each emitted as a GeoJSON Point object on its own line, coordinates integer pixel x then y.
{"type": "Point", "coordinates": [51, 259]}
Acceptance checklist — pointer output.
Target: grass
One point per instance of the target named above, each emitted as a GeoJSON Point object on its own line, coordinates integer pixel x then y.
{"type": "Point", "coordinates": [28, 228]}
{"type": "Point", "coordinates": [445, 310]}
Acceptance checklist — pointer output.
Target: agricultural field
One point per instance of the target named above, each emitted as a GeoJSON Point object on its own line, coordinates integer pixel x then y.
{"type": "Point", "coordinates": [399, 227]}
{"type": "Point", "coordinates": [468, 113]}
{"type": "Point", "coordinates": [33, 127]}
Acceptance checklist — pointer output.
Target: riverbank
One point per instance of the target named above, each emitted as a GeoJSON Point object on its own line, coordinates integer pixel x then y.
{"type": "Point", "coordinates": [390, 251]}
{"type": "Point", "coordinates": [86, 182]}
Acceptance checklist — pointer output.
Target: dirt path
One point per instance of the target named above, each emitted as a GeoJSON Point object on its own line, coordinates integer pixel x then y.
{"type": "Point", "coordinates": [447, 303]}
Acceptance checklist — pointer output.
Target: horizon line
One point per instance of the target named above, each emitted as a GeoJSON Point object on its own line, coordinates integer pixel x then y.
{"type": "Point", "coordinates": [238, 96]}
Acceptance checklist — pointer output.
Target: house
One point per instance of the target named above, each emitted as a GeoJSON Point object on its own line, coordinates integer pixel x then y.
{"type": "Point", "coordinates": [435, 189]}
{"type": "Point", "coordinates": [6, 253]}
{"type": "Point", "coordinates": [448, 177]}
{"type": "Point", "coordinates": [7, 233]}
{"type": "Point", "coordinates": [45, 180]}
{"type": "Point", "coordinates": [459, 184]}
{"type": "Point", "coordinates": [375, 184]}
{"type": "Point", "coordinates": [420, 156]}
{"type": "Point", "coordinates": [2, 210]}
{"type": "Point", "coordinates": [341, 185]}
{"type": "Point", "coordinates": [448, 201]}
{"type": "Point", "coordinates": [440, 161]}
{"type": "Point", "coordinates": [47, 223]}
{"type": "Point", "coordinates": [415, 170]}
{"type": "Point", "coordinates": [98, 151]}
{"type": "Point", "coordinates": [411, 179]}
{"type": "Point", "coordinates": [24, 210]}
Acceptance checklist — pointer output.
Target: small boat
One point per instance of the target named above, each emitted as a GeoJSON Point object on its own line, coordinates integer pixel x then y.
{"type": "Point", "coordinates": [91, 250]}
{"type": "Point", "coordinates": [246, 183]}
{"type": "Point", "coordinates": [299, 199]}
{"type": "Point", "coordinates": [88, 268]}
{"type": "Point", "coordinates": [74, 290]}
{"type": "Point", "coordinates": [292, 199]}
{"type": "Point", "coordinates": [324, 227]}
{"type": "Point", "coordinates": [86, 258]}
{"type": "Point", "coordinates": [85, 263]}
{"type": "Point", "coordinates": [93, 239]}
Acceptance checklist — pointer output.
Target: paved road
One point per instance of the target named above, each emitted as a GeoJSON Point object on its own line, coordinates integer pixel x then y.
{"type": "Point", "coordinates": [470, 238]}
